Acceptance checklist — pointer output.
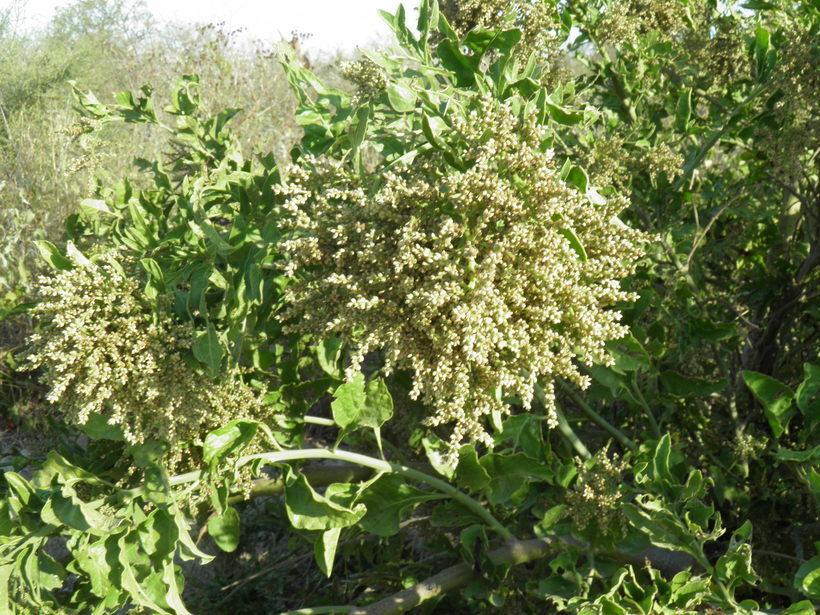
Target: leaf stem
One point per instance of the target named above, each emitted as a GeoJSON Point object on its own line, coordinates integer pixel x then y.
{"type": "Point", "coordinates": [566, 430]}
{"type": "Point", "coordinates": [370, 462]}
{"type": "Point", "coordinates": [563, 425]}
{"type": "Point", "coordinates": [653, 424]}
{"type": "Point", "coordinates": [597, 418]}
{"type": "Point", "coordinates": [318, 420]}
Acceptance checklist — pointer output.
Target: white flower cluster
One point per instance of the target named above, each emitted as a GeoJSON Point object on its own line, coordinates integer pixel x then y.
{"type": "Point", "coordinates": [469, 278]}
{"type": "Point", "coordinates": [102, 349]}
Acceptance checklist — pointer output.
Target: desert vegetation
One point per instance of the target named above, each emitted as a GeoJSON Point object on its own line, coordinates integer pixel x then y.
{"type": "Point", "coordinates": [517, 314]}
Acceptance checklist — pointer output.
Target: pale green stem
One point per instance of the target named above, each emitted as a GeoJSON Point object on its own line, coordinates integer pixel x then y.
{"type": "Point", "coordinates": [370, 462]}
{"type": "Point", "coordinates": [570, 435]}
{"type": "Point", "coordinates": [653, 424]}
{"type": "Point", "coordinates": [597, 418]}
{"type": "Point", "coordinates": [318, 420]}
{"type": "Point", "coordinates": [563, 425]}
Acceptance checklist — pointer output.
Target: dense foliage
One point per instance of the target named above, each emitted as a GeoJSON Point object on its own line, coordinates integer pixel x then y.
{"type": "Point", "coordinates": [531, 313]}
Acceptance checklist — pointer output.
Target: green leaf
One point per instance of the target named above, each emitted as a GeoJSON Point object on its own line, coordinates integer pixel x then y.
{"type": "Point", "coordinates": [561, 115]}
{"type": "Point", "coordinates": [307, 510]}
{"type": "Point", "coordinates": [550, 518]}
{"type": "Point", "coordinates": [807, 578]}
{"type": "Point", "coordinates": [154, 270]}
{"type": "Point", "coordinates": [808, 393]}
{"type": "Point", "coordinates": [349, 401]}
{"type": "Point", "coordinates": [800, 608]}
{"type": "Point", "coordinates": [57, 469]}
{"type": "Point", "coordinates": [21, 489]}
{"type": "Point", "coordinates": [225, 529]}
{"type": "Point", "coordinates": [59, 511]}
{"type": "Point", "coordinates": [52, 255]}
{"type": "Point", "coordinates": [508, 473]}
{"type": "Point", "coordinates": [97, 206]}
{"type": "Point", "coordinates": [575, 243]}
{"type": "Point", "coordinates": [158, 534]}
{"type": "Point", "coordinates": [474, 542]}
{"type": "Point", "coordinates": [208, 351]}
{"type": "Point", "coordinates": [775, 397]}
{"type": "Point", "coordinates": [226, 440]}
{"type": "Point", "coordinates": [762, 46]}
{"type": "Point", "coordinates": [464, 67]}
{"type": "Point", "coordinates": [329, 354]}
{"type": "Point", "coordinates": [171, 575]}
{"type": "Point", "coordinates": [735, 566]}
{"type": "Point", "coordinates": [93, 559]}
{"type": "Point", "coordinates": [578, 178]}
{"type": "Point", "coordinates": [683, 110]}
{"type": "Point", "coordinates": [661, 527]}
{"type": "Point", "coordinates": [445, 28]}
{"type": "Point", "coordinates": [136, 587]}
{"type": "Point", "coordinates": [97, 427]}
{"type": "Point", "coordinates": [378, 404]}
{"type": "Point", "coordinates": [438, 454]}
{"type": "Point", "coordinates": [148, 454]}
{"type": "Point", "coordinates": [185, 96]}
{"type": "Point", "coordinates": [678, 385]}
{"type": "Point", "coordinates": [69, 510]}
{"type": "Point", "coordinates": [386, 498]}
{"type": "Point", "coordinates": [324, 549]}
{"type": "Point", "coordinates": [401, 98]}
{"type": "Point", "coordinates": [432, 127]}
{"type": "Point", "coordinates": [362, 404]}
{"type": "Point", "coordinates": [358, 130]}
{"type": "Point", "coordinates": [479, 40]}
{"type": "Point", "coordinates": [469, 471]}
{"type": "Point", "coordinates": [661, 471]}
{"type": "Point", "coordinates": [89, 102]}
{"type": "Point", "coordinates": [809, 455]}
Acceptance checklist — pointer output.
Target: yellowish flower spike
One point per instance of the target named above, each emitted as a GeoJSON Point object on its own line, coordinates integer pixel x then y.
{"type": "Point", "coordinates": [469, 279]}
{"type": "Point", "coordinates": [103, 350]}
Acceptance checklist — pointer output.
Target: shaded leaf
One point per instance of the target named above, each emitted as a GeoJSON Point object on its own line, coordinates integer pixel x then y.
{"type": "Point", "coordinates": [324, 549]}
{"type": "Point", "coordinates": [386, 498]}
{"type": "Point", "coordinates": [225, 529]}
{"type": "Point", "coordinates": [307, 510]}
{"type": "Point", "coordinates": [775, 397]}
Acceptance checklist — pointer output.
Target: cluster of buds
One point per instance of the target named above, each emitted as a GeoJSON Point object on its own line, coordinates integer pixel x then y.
{"type": "Point", "coordinates": [470, 279]}
{"type": "Point", "coordinates": [104, 350]}
{"type": "Point", "coordinates": [598, 494]}
{"type": "Point", "coordinates": [367, 76]}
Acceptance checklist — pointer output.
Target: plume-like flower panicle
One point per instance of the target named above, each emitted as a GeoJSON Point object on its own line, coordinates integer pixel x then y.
{"type": "Point", "coordinates": [469, 279]}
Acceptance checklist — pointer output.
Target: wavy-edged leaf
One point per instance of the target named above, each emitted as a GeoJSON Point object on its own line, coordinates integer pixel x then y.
{"type": "Point", "coordinates": [307, 510]}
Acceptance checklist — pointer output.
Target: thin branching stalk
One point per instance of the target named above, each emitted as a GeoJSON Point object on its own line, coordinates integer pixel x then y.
{"type": "Point", "coordinates": [370, 462]}
{"type": "Point", "coordinates": [597, 418]}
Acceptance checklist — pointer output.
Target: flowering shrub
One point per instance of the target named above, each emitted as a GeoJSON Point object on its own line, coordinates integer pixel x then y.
{"type": "Point", "coordinates": [469, 230]}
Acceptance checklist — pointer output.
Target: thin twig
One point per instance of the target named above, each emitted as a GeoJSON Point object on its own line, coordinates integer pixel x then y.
{"type": "Point", "coordinates": [776, 554]}
{"type": "Point", "coordinates": [597, 418]}
{"type": "Point", "coordinates": [702, 235]}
